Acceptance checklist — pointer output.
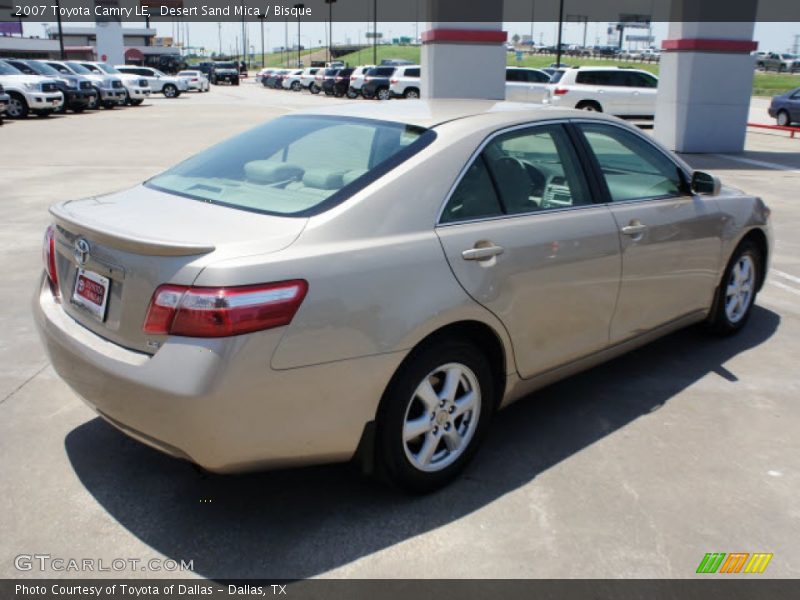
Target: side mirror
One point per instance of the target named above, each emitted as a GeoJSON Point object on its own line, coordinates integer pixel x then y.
{"type": "Point", "coordinates": [705, 184]}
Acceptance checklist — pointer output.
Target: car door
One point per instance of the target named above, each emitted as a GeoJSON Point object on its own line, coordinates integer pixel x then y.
{"type": "Point", "coordinates": [670, 239]}
{"type": "Point", "coordinates": [605, 87]}
{"type": "Point", "coordinates": [516, 88]}
{"type": "Point", "coordinates": [537, 85]}
{"type": "Point", "coordinates": [642, 88]}
{"type": "Point", "coordinates": [152, 79]}
{"type": "Point", "coordinates": [525, 239]}
{"type": "Point", "coordinates": [793, 105]}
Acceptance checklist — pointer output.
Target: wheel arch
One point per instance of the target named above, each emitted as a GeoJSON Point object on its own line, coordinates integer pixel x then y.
{"type": "Point", "coordinates": [759, 238]}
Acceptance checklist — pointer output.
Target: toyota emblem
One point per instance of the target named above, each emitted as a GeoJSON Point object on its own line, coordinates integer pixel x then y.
{"type": "Point", "coordinates": [81, 250]}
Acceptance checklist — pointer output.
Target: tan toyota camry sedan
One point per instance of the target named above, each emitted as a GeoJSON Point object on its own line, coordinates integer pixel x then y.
{"type": "Point", "coordinates": [375, 281]}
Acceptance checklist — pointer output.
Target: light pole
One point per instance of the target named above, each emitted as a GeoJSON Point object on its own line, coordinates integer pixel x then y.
{"type": "Point", "coordinates": [330, 4]}
{"type": "Point", "coordinates": [60, 31]}
{"type": "Point", "coordinates": [560, 27]}
{"type": "Point", "coordinates": [263, 58]}
{"type": "Point", "coordinates": [286, 42]}
{"type": "Point", "coordinates": [299, 8]}
{"type": "Point", "coordinates": [375, 31]}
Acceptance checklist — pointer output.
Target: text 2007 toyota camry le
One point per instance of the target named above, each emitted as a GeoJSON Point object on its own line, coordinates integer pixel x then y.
{"type": "Point", "coordinates": [377, 281]}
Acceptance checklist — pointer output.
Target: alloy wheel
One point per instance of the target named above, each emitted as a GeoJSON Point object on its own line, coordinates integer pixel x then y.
{"type": "Point", "coordinates": [441, 417]}
{"type": "Point", "coordinates": [739, 292]}
{"type": "Point", "coordinates": [15, 108]}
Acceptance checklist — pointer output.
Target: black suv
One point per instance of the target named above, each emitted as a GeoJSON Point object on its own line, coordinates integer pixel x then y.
{"type": "Point", "coordinates": [376, 83]}
{"type": "Point", "coordinates": [78, 91]}
{"type": "Point", "coordinates": [225, 71]}
{"type": "Point", "coordinates": [338, 84]}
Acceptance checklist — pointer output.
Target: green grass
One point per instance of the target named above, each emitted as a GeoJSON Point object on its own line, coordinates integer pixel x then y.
{"type": "Point", "coordinates": [365, 56]}
{"type": "Point", "coordinates": [764, 84]}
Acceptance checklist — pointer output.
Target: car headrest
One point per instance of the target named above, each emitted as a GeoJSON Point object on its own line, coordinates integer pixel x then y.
{"type": "Point", "coordinates": [268, 171]}
{"type": "Point", "coordinates": [350, 176]}
{"type": "Point", "coordinates": [323, 179]}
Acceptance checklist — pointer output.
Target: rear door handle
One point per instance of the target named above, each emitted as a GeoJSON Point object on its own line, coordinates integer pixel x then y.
{"type": "Point", "coordinates": [482, 252]}
{"type": "Point", "coordinates": [634, 229]}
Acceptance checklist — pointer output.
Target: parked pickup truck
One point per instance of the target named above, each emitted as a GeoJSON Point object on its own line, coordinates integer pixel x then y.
{"type": "Point", "coordinates": [110, 89]}
{"type": "Point", "coordinates": [137, 88]}
{"type": "Point", "coordinates": [783, 62]}
{"type": "Point", "coordinates": [29, 93]}
{"type": "Point", "coordinates": [77, 90]}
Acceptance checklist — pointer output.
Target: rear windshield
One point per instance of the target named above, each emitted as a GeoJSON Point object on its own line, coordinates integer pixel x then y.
{"type": "Point", "coordinates": [225, 66]}
{"type": "Point", "coordinates": [295, 165]}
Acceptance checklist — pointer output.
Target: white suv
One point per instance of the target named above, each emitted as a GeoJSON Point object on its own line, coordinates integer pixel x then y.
{"type": "Point", "coordinates": [357, 80]}
{"type": "Point", "coordinates": [405, 82]}
{"type": "Point", "coordinates": [170, 86]}
{"type": "Point", "coordinates": [292, 80]}
{"type": "Point", "coordinates": [526, 85]}
{"type": "Point", "coordinates": [619, 91]}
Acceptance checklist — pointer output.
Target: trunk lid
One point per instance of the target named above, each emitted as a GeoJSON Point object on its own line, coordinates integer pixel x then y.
{"type": "Point", "coordinates": [141, 238]}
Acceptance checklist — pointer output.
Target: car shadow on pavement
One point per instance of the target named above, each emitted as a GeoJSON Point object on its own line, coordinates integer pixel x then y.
{"type": "Point", "coordinates": [298, 523]}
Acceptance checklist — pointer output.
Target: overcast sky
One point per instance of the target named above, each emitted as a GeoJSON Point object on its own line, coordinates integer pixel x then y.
{"type": "Point", "coordinates": [779, 37]}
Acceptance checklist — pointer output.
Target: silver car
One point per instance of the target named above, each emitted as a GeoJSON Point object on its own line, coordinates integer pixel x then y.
{"type": "Point", "coordinates": [375, 281]}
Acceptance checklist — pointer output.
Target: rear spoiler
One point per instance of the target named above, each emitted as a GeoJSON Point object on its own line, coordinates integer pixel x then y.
{"type": "Point", "coordinates": [123, 241]}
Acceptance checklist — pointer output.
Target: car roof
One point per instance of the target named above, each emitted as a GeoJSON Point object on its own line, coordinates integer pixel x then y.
{"type": "Point", "coordinates": [430, 113]}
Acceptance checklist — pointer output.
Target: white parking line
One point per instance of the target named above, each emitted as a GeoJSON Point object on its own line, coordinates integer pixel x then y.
{"type": "Point", "coordinates": [759, 163]}
{"type": "Point", "coordinates": [783, 286]}
{"type": "Point", "coordinates": [786, 275]}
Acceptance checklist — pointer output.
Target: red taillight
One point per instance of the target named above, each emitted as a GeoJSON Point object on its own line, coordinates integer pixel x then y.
{"type": "Point", "coordinates": [366, 79]}
{"type": "Point", "coordinates": [353, 78]}
{"type": "Point", "coordinates": [393, 81]}
{"type": "Point", "coordinates": [338, 78]}
{"type": "Point", "coordinates": [222, 312]}
{"type": "Point", "coordinates": [559, 91]}
{"type": "Point", "coordinates": [49, 258]}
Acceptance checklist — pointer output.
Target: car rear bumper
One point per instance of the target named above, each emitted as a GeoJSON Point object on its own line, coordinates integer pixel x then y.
{"type": "Point", "coordinates": [217, 402]}
{"type": "Point", "coordinates": [772, 111]}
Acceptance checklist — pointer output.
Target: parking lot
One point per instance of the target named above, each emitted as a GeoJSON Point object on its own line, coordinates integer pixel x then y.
{"type": "Point", "coordinates": [637, 468]}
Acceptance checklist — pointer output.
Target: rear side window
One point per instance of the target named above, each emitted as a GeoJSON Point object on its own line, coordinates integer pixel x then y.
{"type": "Point", "coordinates": [385, 71]}
{"type": "Point", "coordinates": [512, 75]}
{"type": "Point", "coordinates": [294, 165]}
{"type": "Point", "coordinates": [536, 77]}
{"type": "Point", "coordinates": [474, 198]}
{"type": "Point", "coordinates": [520, 172]}
{"type": "Point", "coordinates": [632, 167]}
{"type": "Point", "coordinates": [556, 77]}
{"type": "Point", "coordinates": [412, 72]}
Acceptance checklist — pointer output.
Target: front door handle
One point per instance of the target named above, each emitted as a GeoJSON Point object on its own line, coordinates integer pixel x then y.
{"type": "Point", "coordinates": [482, 252]}
{"type": "Point", "coordinates": [634, 229]}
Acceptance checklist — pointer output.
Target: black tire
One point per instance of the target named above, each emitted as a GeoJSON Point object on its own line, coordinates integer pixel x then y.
{"type": "Point", "coordinates": [170, 91]}
{"type": "Point", "coordinates": [127, 98]}
{"type": "Point", "coordinates": [783, 118]}
{"type": "Point", "coordinates": [109, 105]}
{"type": "Point", "coordinates": [411, 93]}
{"type": "Point", "coordinates": [78, 109]}
{"type": "Point", "coordinates": [314, 88]}
{"type": "Point", "coordinates": [720, 320]}
{"type": "Point", "coordinates": [399, 401]}
{"type": "Point", "coordinates": [94, 103]}
{"type": "Point", "coordinates": [589, 105]}
{"type": "Point", "coordinates": [17, 106]}
{"type": "Point", "coordinates": [352, 94]}
{"type": "Point", "coordinates": [43, 114]}
{"type": "Point", "coordinates": [296, 86]}
{"type": "Point", "coordinates": [383, 93]}
{"type": "Point", "coordinates": [137, 102]}
{"type": "Point", "coordinates": [236, 82]}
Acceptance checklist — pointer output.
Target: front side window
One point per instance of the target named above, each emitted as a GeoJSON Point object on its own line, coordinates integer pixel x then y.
{"type": "Point", "coordinates": [632, 167]}
{"type": "Point", "coordinates": [520, 172]}
{"type": "Point", "coordinates": [78, 68]}
{"type": "Point", "coordinates": [294, 165]}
